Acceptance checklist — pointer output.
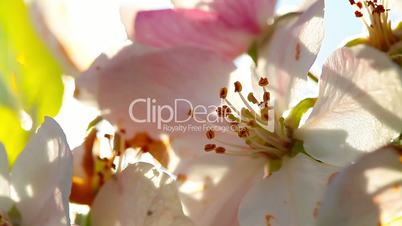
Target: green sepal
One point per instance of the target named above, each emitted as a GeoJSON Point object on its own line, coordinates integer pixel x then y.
{"type": "Point", "coordinates": [266, 35]}
{"type": "Point", "coordinates": [296, 148]}
{"type": "Point", "coordinates": [274, 165]}
{"type": "Point", "coordinates": [398, 141]}
{"type": "Point", "coordinates": [355, 42]}
{"type": "Point", "coordinates": [293, 120]}
{"type": "Point", "coordinates": [253, 52]}
{"type": "Point", "coordinates": [94, 122]}
{"type": "Point", "coordinates": [83, 219]}
{"type": "Point", "coordinates": [312, 77]}
{"type": "Point", "coordinates": [15, 216]}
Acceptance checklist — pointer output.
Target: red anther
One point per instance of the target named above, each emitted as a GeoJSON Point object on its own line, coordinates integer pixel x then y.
{"type": "Point", "coordinates": [220, 150]}
{"type": "Point", "coordinates": [379, 9]}
{"type": "Point", "coordinates": [252, 98]}
{"type": "Point", "coordinates": [209, 147]}
{"type": "Point", "coordinates": [352, 2]}
{"type": "Point", "coordinates": [370, 3]}
{"type": "Point", "coordinates": [210, 134]}
{"type": "Point", "coordinates": [263, 82]}
{"type": "Point", "coordinates": [360, 5]}
{"type": "Point", "coordinates": [223, 111]}
{"type": "Point", "coordinates": [223, 92]}
{"type": "Point", "coordinates": [238, 86]}
{"type": "Point", "coordinates": [358, 14]}
{"type": "Point", "coordinates": [244, 132]}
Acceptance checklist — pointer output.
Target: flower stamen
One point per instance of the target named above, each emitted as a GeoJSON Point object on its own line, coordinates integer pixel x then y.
{"type": "Point", "coordinates": [249, 125]}
{"type": "Point", "coordinates": [376, 19]}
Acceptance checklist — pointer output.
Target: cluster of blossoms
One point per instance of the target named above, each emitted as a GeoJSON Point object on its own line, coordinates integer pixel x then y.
{"type": "Point", "coordinates": [288, 159]}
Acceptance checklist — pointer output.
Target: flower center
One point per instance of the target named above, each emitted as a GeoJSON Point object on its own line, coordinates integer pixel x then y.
{"type": "Point", "coordinates": [375, 16]}
{"type": "Point", "coordinates": [97, 171]}
{"type": "Point", "coordinates": [249, 125]}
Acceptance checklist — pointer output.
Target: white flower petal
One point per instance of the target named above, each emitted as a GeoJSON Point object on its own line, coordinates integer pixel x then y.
{"type": "Point", "coordinates": [359, 108]}
{"type": "Point", "coordinates": [288, 197]}
{"type": "Point", "coordinates": [139, 196]}
{"type": "Point", "coordinates": [5, 201]}
{"type": "Point", "coordinates": [214, 185]}
{"type": "Point", "coordinates": [41, 177]}
{"type": "Point", "coordinates": [290, 54]}
{"type": "Point", "coordinates": [368, 192]}
{"type": "Point", "coordinates": [78, 31]}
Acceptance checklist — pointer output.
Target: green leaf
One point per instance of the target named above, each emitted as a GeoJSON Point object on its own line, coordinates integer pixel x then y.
{"type": "Point", "coordinates": [30, 76]}
{"type": "Point", "coordinates": [293, 120]}
{"type": "Point", "coordinates": [11, 133]}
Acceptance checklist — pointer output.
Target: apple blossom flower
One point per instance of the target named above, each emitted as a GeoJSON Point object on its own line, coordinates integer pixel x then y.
{"type": "Point", "coordinates": [284, 47]}
{"type": "Point", "coordinates": [367, 192]}
{"type": "Point", "coordinates": [164, 75]}
{"type": "Point", "coordinates": [355, 82]}
{"type": "Point", "coordinates": [359, 83]}
{"type": "Point", "coordinates": [376, 16]}
{"type": "Point", "coordinates": [141, 195]}
{"type": "Point", "coordinates": [37, 189]}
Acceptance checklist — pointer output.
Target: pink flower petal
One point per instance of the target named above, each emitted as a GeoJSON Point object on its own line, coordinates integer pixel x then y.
{"type": "Point", "coordinates": [193, 27]}
{"type": "Point", "coordinates": [189, 76]}
{"type": "Point", "coordinates": [251, 15]}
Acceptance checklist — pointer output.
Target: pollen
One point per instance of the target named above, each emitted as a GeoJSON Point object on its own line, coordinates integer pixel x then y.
{"type": "Point", "coordinates": [358, 14]}
{"type": "Point", "coordinates": [251, 98]}
{"type": "Point", "coordinates": [210, 134]}
{"type": "Point", "coordinates": [181, 178]}
{"type": "Point", "coordinates": [209, 147]}
{"type": "Point", "coordinates": [244, 132]}
{"type": "Point", "coordinates": [374, 15]}
{"type": "Point", "coordinates": [238, 86]}
{"type": "Point", "coordinates": [250, 124]}
{"type": "Point", "coordinates": [220, 150]}
{"type": "Point", "coordinates": [223, 92]}
{"type": "Point", "coordinates": [223, 111]}
{"type": "Point", "coordinates": [263, 82]}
